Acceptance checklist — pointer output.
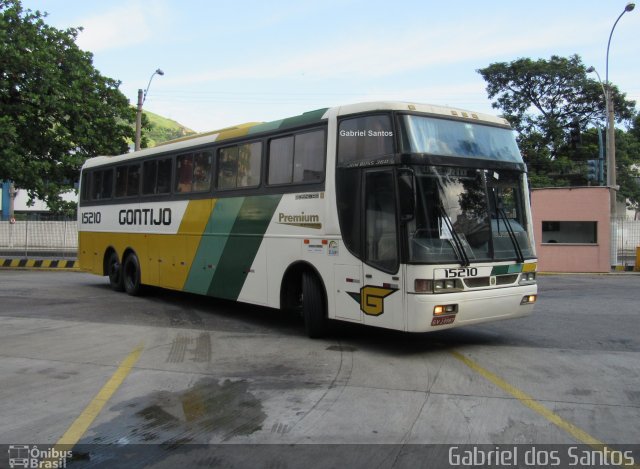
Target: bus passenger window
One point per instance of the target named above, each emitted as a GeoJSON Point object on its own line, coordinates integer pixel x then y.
{"type": "Point", "coordinates": [184, 173]}
{"type": "Point", "coordinates": [281, 160]}
{"type": "Point", "coordinates": [163, 179]}
{"type": "Point", "coordinates": [309, 157]}
{"type": "Point", "coordinates": [133, 180]}
{"type": "Point", "coordinates": [97, 185]}
{"type": "Point", "coordinates": [85, 187]}
{"type": "Point", "coordinates": [121, 181]}
{"type": "Point", "coordinates": [249, 163]}
{"type": "Point", "coordinates": [227, 167]}
{"type": "Point", "coordinates": [107, 184]}
{"type": "Point", "coordinates": [202, 171]}
{"type": "Point", "coordinates": [149, 177]}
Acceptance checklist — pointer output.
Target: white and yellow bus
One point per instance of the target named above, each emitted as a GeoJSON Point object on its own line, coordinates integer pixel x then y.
{"type": "Point", "coordinates": [404, 216]}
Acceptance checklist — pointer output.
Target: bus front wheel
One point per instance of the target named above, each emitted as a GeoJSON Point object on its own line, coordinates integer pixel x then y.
{"type": "Point", "coordinates": [314, 308]}
{"type": "Point", "coordinates": [131, 275]}
{"type": "Point", "coordinates": [114, 270]}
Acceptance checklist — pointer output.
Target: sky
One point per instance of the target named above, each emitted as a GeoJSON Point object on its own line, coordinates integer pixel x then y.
{"type": "Point", "coordinates": [229, 62]}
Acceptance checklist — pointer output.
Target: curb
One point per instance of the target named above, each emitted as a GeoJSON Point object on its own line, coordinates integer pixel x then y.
{"type": "Point", "coordinates": [24, 263]}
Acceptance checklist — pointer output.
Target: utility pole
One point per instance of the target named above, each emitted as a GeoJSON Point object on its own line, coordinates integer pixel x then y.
{"type": "Point", "coordinates": [142, 96]}
{"type": "Point", "coordinates": [139, 119]}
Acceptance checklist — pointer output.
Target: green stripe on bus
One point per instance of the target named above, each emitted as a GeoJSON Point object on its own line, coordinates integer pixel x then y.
{"type": "Point", "coordinates": [506, 269]}
{"type": "Point", "coordinates": [242, 246]}
{"type": "Point", "coordinates": [212, 244]}
{"type": "Point", "coordinates": [265, 127]}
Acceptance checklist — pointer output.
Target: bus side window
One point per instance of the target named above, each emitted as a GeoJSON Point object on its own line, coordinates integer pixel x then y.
{"type": "Point", "coordinates": [133, 180]}
{"type": "Point", "coordinates": [121, 181]}
{"type": "Point", "coordinates": [249, 163]}
{"type": "Point", "coordinates": [227, 167]}
{"type": "Point", "coordinates": [184, 173]}
{"type": "Point", "coordinates": [149, 169]}
{"type": "Point", "coordinates": [281, 160]}
{"type": "Point", "coordinates": [107, 184]}
{"type": "Point", "coordinates": [163, 180]}
{"type": "Point", "coordinates": [309, 157]}
{"type": "Point", "coordinates": [85, 187]}
{"type": "Point", "coordinates": [202, 171]}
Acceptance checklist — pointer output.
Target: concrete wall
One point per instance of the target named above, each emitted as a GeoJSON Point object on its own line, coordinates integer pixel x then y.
{"type": "Point", "coordinates": [574, 204]}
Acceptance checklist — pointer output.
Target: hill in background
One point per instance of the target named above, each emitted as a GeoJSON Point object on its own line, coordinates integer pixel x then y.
{"type": "Point", "coordinates": [163, 130]}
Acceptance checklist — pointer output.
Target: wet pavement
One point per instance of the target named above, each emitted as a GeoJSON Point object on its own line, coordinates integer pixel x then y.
{"type": "Point", "coordinates": [235, 376]}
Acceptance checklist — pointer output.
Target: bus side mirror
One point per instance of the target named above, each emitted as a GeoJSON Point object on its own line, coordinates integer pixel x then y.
{"type": "Point", "coordinates": [407, 194]}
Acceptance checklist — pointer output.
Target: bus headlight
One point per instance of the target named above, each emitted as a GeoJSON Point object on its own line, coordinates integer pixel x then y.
{"type": "Point", "coordinates": [445, 309]}
{"type": "Point", "coordinates": [529, 299]}
{"type": "Point", "coordinates": [527, 278]}
{"type": "Point", "coordinates": [437, 286]}
{"type": "Point", "coordinates": [447, 286]}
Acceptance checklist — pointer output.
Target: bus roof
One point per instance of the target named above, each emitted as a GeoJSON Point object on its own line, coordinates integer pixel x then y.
{"type": "Point", "coordinates": [307, 118]}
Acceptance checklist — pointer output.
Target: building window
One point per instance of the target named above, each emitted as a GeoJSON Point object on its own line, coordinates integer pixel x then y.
{"type": "Point", "coordinates": [570, 232]}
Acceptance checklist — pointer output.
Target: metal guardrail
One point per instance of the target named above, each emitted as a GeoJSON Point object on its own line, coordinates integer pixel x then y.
{"type": "Point", "coordinates": [56, 236]}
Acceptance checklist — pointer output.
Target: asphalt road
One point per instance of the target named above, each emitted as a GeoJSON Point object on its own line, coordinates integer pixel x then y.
{"type": "Point", "coordinates": [183, 372]}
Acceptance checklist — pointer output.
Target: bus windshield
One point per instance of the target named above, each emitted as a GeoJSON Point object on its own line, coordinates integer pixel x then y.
{"type": "Point", "coordinates": [466, 215]}
{"type": "Point", "coordinates": [445, 137]}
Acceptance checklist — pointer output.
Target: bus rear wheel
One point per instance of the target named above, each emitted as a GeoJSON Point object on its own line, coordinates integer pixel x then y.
{"type": "Point", "coordinates": [314, 308]}
{"type": "Point", "coordinates": [114, 270]}
{"type": "Point", "coordinates": [131, 275]}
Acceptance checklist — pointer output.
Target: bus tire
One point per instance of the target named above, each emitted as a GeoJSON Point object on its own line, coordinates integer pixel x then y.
{"type": "Point", "coordinates": [314, 309]}
{"type": "Point", "coordinates": [131, 275]}
{"type": "Point", "coordinates": [114, 271]}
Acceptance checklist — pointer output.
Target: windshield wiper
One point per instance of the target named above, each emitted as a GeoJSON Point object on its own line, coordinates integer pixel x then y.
{"type": "Point", "coordinates": [458, 247]}
{"type": "Point", "coordinates": [512, 234]}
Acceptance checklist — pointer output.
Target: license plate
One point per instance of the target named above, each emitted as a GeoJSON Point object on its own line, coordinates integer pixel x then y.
{"type": "Point", "coordinates": [441, 321]}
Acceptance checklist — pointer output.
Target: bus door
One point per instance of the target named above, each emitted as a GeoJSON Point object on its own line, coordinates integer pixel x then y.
{"type": "Point", "coordinates": [382, 281]}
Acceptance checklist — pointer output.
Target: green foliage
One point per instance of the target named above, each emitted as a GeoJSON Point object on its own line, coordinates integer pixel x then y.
{"type": "Point", "coordinates": [628, 167]}
{"type": "Point", "coordinates": [56, 108]}
{"type": "Point", "coordinates": [543, 99]}
{"type": "Point", "coordinates": [160, 129]}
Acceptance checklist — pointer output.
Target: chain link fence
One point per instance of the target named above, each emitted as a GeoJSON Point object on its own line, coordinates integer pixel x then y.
{"type": "Point", "coordinates": [39, 235]}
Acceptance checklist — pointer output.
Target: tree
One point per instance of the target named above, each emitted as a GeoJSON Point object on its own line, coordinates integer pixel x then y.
{"type": "Point", "coordinates": [56, 108]}
{"type": "Point", "coordinates": [544, 100]}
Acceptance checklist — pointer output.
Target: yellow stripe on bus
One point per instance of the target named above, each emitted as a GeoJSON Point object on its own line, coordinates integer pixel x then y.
{"type": "Point", "coordinates": [165, 259]}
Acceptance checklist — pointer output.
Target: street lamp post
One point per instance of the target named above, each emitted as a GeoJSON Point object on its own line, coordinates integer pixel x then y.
{"type": "Point", "coordinates": [142, 96]}
{"type": "Point", "coordinates": [611, 131]}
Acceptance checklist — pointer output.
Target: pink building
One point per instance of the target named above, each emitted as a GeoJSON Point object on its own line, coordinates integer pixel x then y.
{"type": "Point", "coordinates": [572, 229]}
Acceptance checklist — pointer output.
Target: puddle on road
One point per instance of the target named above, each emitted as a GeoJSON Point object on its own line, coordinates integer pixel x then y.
{"type": "Point", "coordinates": [208, 410]}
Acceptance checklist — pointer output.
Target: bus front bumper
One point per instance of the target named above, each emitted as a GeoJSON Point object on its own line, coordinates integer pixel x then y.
{"type": "Point", "coordinates": [466, 308]}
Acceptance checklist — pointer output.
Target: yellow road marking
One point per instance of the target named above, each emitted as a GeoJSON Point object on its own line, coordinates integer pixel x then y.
{"type": "Point", "coordinates": [89, 414]}
{"type": "Point", "coordinates": [529, 401]}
